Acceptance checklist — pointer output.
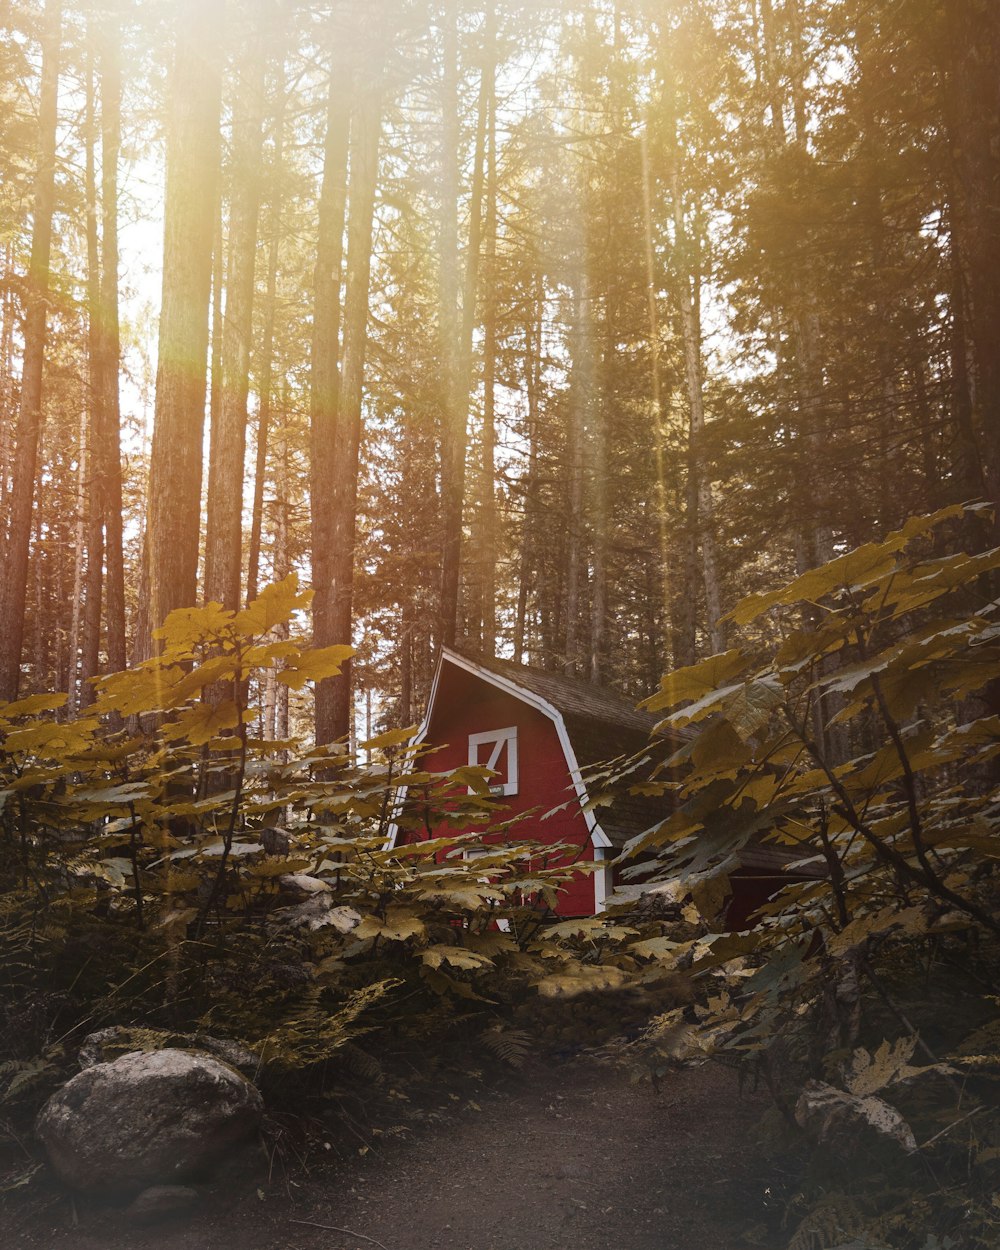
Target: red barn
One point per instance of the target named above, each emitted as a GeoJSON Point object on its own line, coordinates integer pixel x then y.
{"type": "Point", "coordinates": [541, 732]}
{"type": "Point", "coordinates": [537, 730]}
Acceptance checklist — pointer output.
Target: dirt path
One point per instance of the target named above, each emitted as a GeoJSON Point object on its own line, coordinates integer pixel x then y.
{"type": "Point", "coordinates": [571, 1158]}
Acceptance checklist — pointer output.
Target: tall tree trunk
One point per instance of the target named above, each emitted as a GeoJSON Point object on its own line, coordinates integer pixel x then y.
{"type": "Point", "coordinates": [700, 486]}
{"type": "Point", "coordinates": [974, 28]}
{"type": "Point", "coordinates": [600, 419]}
{"type": "Point", "coordinates": [580, 398]}
{"type": "Point", "coordinates": [325, 363]}
{"type": "Point", "coordinates": [175, 467]}
{"type": "Point", "coordinates": [7, 384]}
{"type": "Point", "coordinates": [29, 420]}
{"type": "Point", "coordinates": [659, 413]}
{"type": "Point", "coordinates": [454, 410]}
{"type": "Point", "coordinates": [79, 549]}
{"type": "Point", "coordinates": [227, 467]}
{"type": "Point", "coordinates": [530, 565]}
{"type": "Point", "coordinates": [333, 696]}
{"type": "Point", "coordinates": [267, 347]}
{"type": "Point", "coordinates": [97, 394]}
{"type": "Point", "coordinates": [810, 481]}
{"type": "Point", "coordinates": [110, 451]}
{"type": "Point", "coordinates": [282, 563]}
{"type": "Point", "coordinates": [487, 489]}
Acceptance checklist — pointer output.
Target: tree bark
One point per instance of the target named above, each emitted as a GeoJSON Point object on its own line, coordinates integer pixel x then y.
{"type": "Point", "coordinates": [227, 459]}
{"type": "Point", "coordinates": [333, 696]}
{"type": "Point", "coordinates": [487, 490]}
{"type": "Point", "coordinates": [325, 363]}
{"type": "Point", "coordinates": [267, 350]}
{"type": "Point", "coordinates": [453, 409]}
{"type": "Point", "coordinates": [580, 398]}
{"type": "Point", "coordinates": [659, 414]}
{"type": "Point", "coordinates": [97, 433]}
{"type": "Point", "coordinates": [702, 521]}
{"type": "Point", "coordinates": [73, 673]}
{"type": "Point", "coordinates": [175, 470]}
{"type": "Point", "coordinates": [974, 27]}
{"type": "Point", "coordinates": [29, 420]}
{"type": "Point", "coordinates": [110, 451]}
{"type": "Point", "coordinates": [530, 520]}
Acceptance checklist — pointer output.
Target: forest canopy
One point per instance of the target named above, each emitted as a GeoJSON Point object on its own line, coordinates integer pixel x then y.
{"type": "Point", "coordinates": [546, 329]}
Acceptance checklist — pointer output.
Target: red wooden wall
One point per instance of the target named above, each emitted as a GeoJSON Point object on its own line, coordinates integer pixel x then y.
{"type": "Point", "coordinates": [466, 704]}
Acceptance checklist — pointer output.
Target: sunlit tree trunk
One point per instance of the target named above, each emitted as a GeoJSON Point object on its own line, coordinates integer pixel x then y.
{"type": "Point", "coordinates": [700, 488]}
{"type": "Point", "coordinates": [454, 407]}
{"type": "Point", "coordinates": [482, 577]}
{"type": "Point", "coordinates": [79, 560]}
{"type": "Point", "coordinates": [15, 581]}
{"type": "Point", "coordinates": [811, 479]}
{"type": "Point", "coordinates": [325, 366]}
{"type": "Point", "coordinates": [267, 347]}
{"type": "Point", "coordinates": [110, 451]}
{"type": "Point", "coordinates": [333, 696]}
{"type": "Point", "coordinates": [282, 564]}
{"type": "Point", "coordinates": [487, 490]}
{"type": "Point", "coordinates": [659, 413]}
{"type": "Point", "coordinates": [580, 399]}
{"type": "Point", "coordinates": [96, 397]}
{"type": "Point", "coordinates": [174, 509]}
{"type": "Point", "coordinates": [105, 579]}
{"type": "Point", "coordinates": [8, 406]}
{"type": "Point", "coordinates": [227, 467]}
{"type": "Point", "coordinates": [529, 566]}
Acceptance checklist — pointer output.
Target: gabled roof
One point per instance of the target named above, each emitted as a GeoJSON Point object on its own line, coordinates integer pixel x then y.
{"type": "Point", "coordinates": [571, 695]}
{"type": "Point", "coordinates": [595, 724]}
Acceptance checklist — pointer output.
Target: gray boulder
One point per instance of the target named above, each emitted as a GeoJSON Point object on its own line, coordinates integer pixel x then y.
{"type": "Point", "coordinates": [146, 1119]}
{"type": "Point", "coordinates": [109, 1044]}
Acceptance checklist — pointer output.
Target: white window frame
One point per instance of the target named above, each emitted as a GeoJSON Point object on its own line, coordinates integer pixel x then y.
{"type": "Point", "coordinates": [496, 738]}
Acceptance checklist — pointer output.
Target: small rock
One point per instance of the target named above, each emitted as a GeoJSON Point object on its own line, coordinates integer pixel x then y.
{"type": "Point", "coordinates": [160, 1202]}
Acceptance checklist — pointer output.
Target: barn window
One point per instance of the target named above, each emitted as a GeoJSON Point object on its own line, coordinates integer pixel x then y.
{"type": "Point", "coordinates": [497, 751]}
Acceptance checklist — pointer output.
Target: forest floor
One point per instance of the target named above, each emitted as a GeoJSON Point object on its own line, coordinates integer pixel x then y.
{"type": "Point", "coordinates": [561, 1156]}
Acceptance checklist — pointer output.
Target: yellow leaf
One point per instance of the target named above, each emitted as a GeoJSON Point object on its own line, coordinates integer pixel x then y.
{"type": "Point", "coordinates": [457, 956]}
{"type": "Point", "coordinates": [185, 628]}
{"type": "Point", "coordinates": [49, 739]}
{"type": "Point", "coordinates": [32, 705]}
{"type": "Point", "coordinates": [579, 979]}
{"type": "Point", "coordinates": [199, 724]}
{"type": "Point", "coordinates": [399, 924]}
{"type": "Point", "coordinates": [275, 605]}
{"type": "Point", "coordinates": [392, 738]}
{"type": "Point", "coordinates": [266, 653]}
{"type": "Point", "coordinates": [697, 680]}
{"type": "Point", "coordinates": [315, 665]}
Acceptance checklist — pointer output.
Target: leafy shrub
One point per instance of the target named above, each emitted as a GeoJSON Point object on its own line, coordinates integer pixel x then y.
{"type": "Point", "coordinates": [167, 869]}
{"type": "Point", "coordinates": [852, 737]}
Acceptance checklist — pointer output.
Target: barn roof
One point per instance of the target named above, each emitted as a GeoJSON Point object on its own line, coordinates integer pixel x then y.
{"type": "Point", "coordinates": [571, 695]}
{"type": "Point", "coordinates": [600, 725]}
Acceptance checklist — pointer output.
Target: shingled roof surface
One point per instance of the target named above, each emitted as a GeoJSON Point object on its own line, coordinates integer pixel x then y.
{"type": "Point", "coordinates": [571, 695]}
{"type": "Point", "coordinates": [601, 725]}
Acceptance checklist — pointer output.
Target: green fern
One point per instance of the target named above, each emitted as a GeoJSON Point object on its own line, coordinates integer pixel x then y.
{"type": "Point", "coordinates": [511, 1046]}
{"type": "Point", "coordinates": [310, 1033]}
{"type": "Point", "coordinates": [834, 1223]}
